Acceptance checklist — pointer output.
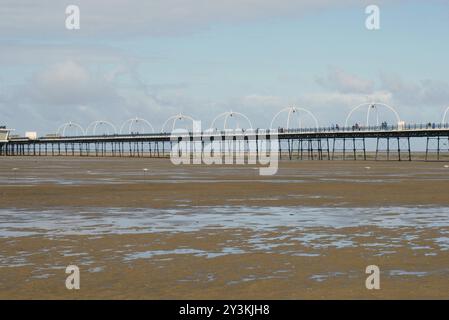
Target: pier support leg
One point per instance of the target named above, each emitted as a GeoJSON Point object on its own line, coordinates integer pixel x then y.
{"type": "Point", "coordinates": [364, 149]}
{"type": "Point", "coordinates": [333, 148]}
{"type": "Point", "coordinates": [319, 149]}
{"type": "Point", "coordinates": [388, 148]}
{"type": "Point", "coordinates": [409, 150]}
{"type": "Point", "coordinates": [438, 148]}
{"type": "Point", "coordinates": [354, 148]}
{"type": "Point", "coordinates": [289, 149]}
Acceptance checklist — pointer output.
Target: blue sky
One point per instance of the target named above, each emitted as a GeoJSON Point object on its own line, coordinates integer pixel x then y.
{"type": "Point", "coordinates": [156, 59]}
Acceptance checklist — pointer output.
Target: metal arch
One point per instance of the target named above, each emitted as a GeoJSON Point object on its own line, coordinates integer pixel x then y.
{"type": "Point", "coordinates": [93, 125]}
{"type": "Point", "coordinates": [372, 106]}
{"type": "Point", "coordinates": [228, 114]}
{"type": "Point", "coordinates": [133, 121]}
{"type": "Point", "coordinates": [216, 118]}
{"type": "Point", "coordinates": [64, 126]}
{"type": "Point", "coordinates": [294, 110]}
{"type": "Point", "coordinates": [175, 118]}
{"type": "Point", "coordinates": [398, 118]}
{"type": "Point", "coordinates": [444, 115]}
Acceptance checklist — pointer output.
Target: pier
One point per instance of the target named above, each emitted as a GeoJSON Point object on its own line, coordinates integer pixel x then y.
{"type": "Point", "coordinates": [392, 143]}
{"type": "Point", "coordinates": [388, 142]}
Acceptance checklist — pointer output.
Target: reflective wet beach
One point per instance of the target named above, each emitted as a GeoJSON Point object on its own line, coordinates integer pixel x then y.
{"type": "Point", "coordinates": [308, 232]}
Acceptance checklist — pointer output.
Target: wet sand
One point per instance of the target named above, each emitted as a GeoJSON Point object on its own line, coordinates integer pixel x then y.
{"type": "Point", "coordinates": [41, 182]}
{"type": "Point", "coordinates": [209, 249]}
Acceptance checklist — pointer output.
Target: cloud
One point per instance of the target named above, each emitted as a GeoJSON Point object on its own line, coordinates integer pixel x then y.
{"type": "Point", "coordinates": [416, 93]}
{"type": "Point", "coordinates": [69, 84]}
{"type": "Point", "coordinates": [72, 91]}
{"type": "Point", "coordinates": [416, 99]}
{"type": "Point", "coordinates": [30, 54]}
{"type": "Point", "coordinates": [65, 91]}
{"type": "Point", "coordinates": [79, 92]}
{"type": "Point", "coordinates": [344, 82]}
{"type": "Point", "coordinates": [271, 101]}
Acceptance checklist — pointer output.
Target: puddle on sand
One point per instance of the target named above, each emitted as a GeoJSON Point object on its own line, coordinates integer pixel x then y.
{"type": "Point", "coordinates": [91, 221]}
{"type": "Point", "coordinates": [313, 228]}
{"type": "Point", "coordinates": [408, 273]}
{"type": "Point", "coordinates": [324, 277]}
{"type": "Point", "coordinates": [189, 251]}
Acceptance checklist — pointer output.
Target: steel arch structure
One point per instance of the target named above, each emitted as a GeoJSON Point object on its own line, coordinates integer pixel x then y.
{"type": "Point", "coordinates": [230, 114]}
{"type": "Point", "coordinates": [445, 115]}
{"type": "Point", "coordinates": [292, 110]}
{"type": "Point", "coordinates": [133, 121]}
{"type": "Point", "coordinates": [175, 118]}
{"type": "Point", "coordinates": [370, 106]}
{"type": "Point", "coordinates": [94, 125]}
{"type": "Point", "coordinates": [62, 129]}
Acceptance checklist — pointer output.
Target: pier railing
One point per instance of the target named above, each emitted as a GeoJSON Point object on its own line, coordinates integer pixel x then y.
{"type": "Point", "coordinates": [321, 142]}
{"type": "Point", "coordinates": [280, 130]}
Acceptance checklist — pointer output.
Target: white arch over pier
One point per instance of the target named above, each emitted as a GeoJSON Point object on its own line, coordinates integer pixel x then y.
{"type": "Point", "coordinates": [131, 122]}
{"type": "Point", "coordinates": [445, 115]}
{"type": "Point", "coordinates": [230, 114]}
{"type": "Point", "coordinates": [95, 124]}
{"type": "Point", "coordinates": [371, 105]}
{"type": "Point", "coordinates": [175, 118]}
{"type": "Point", "coordinates": [62, 129]}
{"type": "Point", "coordinates": [294, 110]}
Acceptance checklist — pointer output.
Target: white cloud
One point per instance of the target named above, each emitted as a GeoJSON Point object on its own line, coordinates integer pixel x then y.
{"type": "Point", "coordinates": [70, 83]}
{"type": "Point", "coordinates": [262, 101]}
{"type": "Point", "coordinates": [344, 82]}
{"type": "Point", "coordinates": [72, 91]}
{"type": "Point", "coordinates": [76, 91]}
{"type": "Point", "coordinates": [416, 93]}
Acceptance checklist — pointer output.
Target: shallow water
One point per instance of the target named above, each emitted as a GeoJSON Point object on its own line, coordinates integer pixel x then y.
{"type": "Point", "coordinates": [273, 229]}
{"type": "Point", "coordinates": [185, 218]}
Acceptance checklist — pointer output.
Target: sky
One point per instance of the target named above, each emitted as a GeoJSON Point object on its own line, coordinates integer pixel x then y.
{"type": "Point", "coordinates": [157, 58]}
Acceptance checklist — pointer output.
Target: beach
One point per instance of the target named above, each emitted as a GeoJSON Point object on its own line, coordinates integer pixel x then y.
{"type": "Point", "coordinates": [222, 232]}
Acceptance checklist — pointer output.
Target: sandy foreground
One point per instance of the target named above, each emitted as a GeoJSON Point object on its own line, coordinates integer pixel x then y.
{"type": "Point", "coordinates": [222, 232]}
